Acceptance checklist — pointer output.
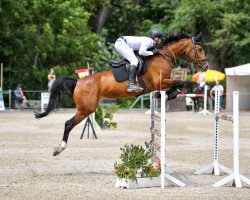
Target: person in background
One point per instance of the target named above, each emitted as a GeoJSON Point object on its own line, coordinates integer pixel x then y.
{"type": "Point", "coordinates": [126, 45]}
{"type": "Point", "coordinates": [201, 81]}
{"type": "Point", "coordinates": [19, 96]}
{"type": "Point", "coordinates": [219, 87]}
{"type": "Point", "coordinates": [51, 78]}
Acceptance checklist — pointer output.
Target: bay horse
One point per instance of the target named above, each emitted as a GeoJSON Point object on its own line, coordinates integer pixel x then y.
{"type": "Point", "coordinates": [89, 91]}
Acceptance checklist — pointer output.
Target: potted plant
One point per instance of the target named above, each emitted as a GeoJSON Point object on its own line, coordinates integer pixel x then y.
{"type": "Point", "coordinates": [136, 170]}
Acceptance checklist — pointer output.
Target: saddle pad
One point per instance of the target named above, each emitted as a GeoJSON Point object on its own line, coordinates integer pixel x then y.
{"type": "Point", "coordinates": [120, 73]}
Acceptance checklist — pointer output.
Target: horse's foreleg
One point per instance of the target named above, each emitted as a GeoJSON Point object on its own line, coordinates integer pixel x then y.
{"type": "Point", "coordinates": [175, 88]}
{"type": "Point", "coordinates": [170, 83]}
{"type": "Point", "coordinates": [69, 125]}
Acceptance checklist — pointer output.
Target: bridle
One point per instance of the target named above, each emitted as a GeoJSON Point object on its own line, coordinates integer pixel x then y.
{"type": "Point", "coordinates": [197, 63]}
{"type": "Point", "coordinates": [200, 63]}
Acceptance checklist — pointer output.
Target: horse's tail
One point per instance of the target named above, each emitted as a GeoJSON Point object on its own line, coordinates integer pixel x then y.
{"type": "Point", "coordinates": [63, 84]}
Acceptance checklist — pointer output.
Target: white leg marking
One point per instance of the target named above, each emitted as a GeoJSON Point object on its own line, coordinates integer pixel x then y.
{"type": "Point", "coordinates": [63, 144]}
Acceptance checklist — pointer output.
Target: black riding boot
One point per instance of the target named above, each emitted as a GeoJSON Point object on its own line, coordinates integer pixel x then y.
{"type": "Point", "coordinates": [132, 87]}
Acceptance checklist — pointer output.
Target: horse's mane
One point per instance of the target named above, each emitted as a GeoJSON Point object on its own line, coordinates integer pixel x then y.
{"type": "Point", "coordinates": [177, 37]}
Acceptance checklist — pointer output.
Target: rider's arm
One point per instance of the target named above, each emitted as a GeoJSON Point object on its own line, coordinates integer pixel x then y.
{"type": "Point", "coordinates": [146, 43]}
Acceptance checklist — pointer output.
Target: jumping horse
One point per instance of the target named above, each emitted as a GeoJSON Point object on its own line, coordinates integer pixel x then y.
{"type": "Point", "coordinates": [89, 91]}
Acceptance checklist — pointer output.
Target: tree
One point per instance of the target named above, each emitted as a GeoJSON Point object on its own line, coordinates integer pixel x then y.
{"type": "Point", "coordinates": [232, 37]}
{"type": "Point", "coordinates": [39, 34]}
{"type": "Point", "coordinates": [225, 28]}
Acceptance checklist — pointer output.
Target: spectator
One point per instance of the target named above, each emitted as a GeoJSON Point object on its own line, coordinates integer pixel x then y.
{"type": "Point", "coordinates": [51, 78]}
{"type": "Point", "coordinates": [219, 87]}
{"type": "Point", "coordinates": [19, 96]}
{"type": "Point", "coordinates": [201, 81]}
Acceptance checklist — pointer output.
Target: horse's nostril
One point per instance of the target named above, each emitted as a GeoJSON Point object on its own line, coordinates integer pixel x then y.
{"type": "Point", "coordinates": [204, 68]}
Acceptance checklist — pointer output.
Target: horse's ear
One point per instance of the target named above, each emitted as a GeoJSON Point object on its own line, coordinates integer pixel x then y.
{"type": "Point", "coordinates": [197, 37]}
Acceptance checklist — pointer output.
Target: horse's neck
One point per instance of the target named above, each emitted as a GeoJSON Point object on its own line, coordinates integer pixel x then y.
{"type": "Point", "coordinates": [177, 49]}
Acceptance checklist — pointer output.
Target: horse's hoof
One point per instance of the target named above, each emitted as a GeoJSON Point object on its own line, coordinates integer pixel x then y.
{"type": "Point", "coordinates": [57, 151]}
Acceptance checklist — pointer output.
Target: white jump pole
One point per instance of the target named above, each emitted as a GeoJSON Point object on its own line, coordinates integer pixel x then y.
{"type": "Point", "coordinates": [205, 111]}
{"type": "Point", "coordinates": [215, 167]}
{"type": "Point", "coordinates": [163, 138]}
{"type": "Point", "coordinates": [152, 122]}
{"type": "Point", "coordinates": [235, 176]}
{"type": "Point", "coordinates": [164, 173]}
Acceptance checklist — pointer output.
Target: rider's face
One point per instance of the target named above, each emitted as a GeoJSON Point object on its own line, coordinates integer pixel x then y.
{"type": "Point", "coordinates": [157, 40]}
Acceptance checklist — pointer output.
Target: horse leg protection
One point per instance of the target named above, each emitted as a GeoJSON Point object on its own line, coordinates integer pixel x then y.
{"type": "Point", "coordinates": [157, 95]}
{"type": "Point", "coordinates": [178, 84]}
{"type": "Point", "coordinates": [172, 93]}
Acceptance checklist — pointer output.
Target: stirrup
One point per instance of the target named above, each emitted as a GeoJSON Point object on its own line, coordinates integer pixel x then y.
{"type": "Point", "coordinates": [134, 88]}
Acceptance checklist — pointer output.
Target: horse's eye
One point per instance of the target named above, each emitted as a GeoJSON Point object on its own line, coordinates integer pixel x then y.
{"type": "Point", "coordinates": [200, 50]}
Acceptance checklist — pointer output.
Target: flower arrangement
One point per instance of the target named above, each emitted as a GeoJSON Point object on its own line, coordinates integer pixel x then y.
{"type": "Point", "coordinates": [135, 163]}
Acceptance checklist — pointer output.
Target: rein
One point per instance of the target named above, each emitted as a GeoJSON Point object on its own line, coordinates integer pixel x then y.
{"type": "Point", "coordinates": [166, 57]}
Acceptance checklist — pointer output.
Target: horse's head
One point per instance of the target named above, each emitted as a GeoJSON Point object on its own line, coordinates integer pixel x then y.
{"type": "Point", "coordinates": [196, 54]}
{"type": "Point", "coordinates": [183, 46]}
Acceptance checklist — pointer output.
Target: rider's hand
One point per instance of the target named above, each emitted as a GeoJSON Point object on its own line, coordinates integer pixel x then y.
{"type": "Point", "coordinates": [155, 51]}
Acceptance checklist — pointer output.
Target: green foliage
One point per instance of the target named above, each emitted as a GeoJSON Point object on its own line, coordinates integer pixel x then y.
{"type": "Point", "coordinates": [125, 103]}
{"type": "Point", "coordinates": [109, 110]}
{"type": "Point", "coordinates": [99, 114]}
{"type": "Point", "coordinates": [225, 25]}
{"type": "Point", "coordinates": [135, 156]}
{"type": "Point", "coordinates": [232, 38]}
{"type": "Point", "coordinates": [39, 34]}
{"type": "Point", "coordinates": [189, 77]}
{"type": "Point", "coordinates": [190, 15]}
{"type": "Point", "coordinates": [110, 124]}
{"type": "Point", "coordinates": [135, 162]}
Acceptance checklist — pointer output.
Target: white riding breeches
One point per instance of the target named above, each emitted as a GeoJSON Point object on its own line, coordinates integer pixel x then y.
{"type": "Point", "coordinates": [126, 51]}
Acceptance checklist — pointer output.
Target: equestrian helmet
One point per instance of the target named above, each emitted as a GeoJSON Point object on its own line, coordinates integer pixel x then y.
{"type": "Point", "coordinates": [156, 33]}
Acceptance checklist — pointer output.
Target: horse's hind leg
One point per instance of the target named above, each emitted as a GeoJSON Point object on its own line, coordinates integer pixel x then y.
{"type": "Point", "coordinates": [69, 125]}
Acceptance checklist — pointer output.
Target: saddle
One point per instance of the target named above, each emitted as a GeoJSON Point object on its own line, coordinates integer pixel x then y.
{"type": "Point", "coordinates": [120, 68]}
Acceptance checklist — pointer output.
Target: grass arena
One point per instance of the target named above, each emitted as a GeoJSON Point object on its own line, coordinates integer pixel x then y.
{"type": "Point", "coordinates": [28, 170]}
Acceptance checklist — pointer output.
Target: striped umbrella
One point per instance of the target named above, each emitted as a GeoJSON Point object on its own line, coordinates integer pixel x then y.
{"type": "Point", "coordinates": [211, 76]}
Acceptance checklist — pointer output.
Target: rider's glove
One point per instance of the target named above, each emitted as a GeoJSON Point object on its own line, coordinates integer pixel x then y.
{"type": "Point", "coordinates": [155, 51]}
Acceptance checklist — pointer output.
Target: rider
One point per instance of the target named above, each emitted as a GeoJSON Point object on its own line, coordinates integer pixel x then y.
{"type": "Point", "coordinates": [126, 45]}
